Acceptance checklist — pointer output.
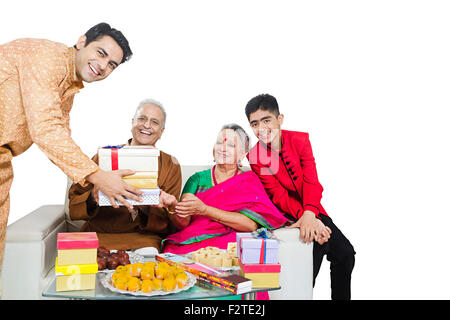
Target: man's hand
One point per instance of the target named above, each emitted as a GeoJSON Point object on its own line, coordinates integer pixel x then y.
{"type": "Point", "coordinates": [166, 201]}
{"type": "Point", "coordinates": [311, 228]}
{"type": "Point", "coordinates": [112, 186]}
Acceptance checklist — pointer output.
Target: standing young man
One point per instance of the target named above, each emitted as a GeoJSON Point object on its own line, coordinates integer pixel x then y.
{"type": "Point", "coordinates": [285, 164]}
{"type": "Point", "coordinates": [38, 81]}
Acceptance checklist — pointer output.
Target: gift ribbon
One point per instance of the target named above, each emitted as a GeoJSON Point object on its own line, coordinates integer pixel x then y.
{"type": "Point", "coordinates": [262, 253]}
{"type": "Point", "coordinates": [114, 159]}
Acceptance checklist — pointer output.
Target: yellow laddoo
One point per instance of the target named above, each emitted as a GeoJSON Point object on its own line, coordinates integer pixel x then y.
{"type": "Point", "coordinates": [146, 286]}
{"type": "Point", "coordinates": [156, 284]}
{"type": "Point", "coordinates": [121, 282]}
{"type": "Point", "coordinates": [135, 269]}
{"type": "Point", "coordinates": [163, 265]}
{"type": "Point", "coordinates": [134, 284]}
{"type": "Point", "coordinates": [181, 279]}
{"type": "Point", "coordinates": [117, 275]}
{"type": "Point", "coordinates": [121, 269]}
{"type": "Point", "coordinates": [161, 271]}
{"type": "Point", "coordinates": [149, 264]}
{"type": "Point", "coordinates": [169, 284]}
{"type": "Point", "coordinates": [147, 274]}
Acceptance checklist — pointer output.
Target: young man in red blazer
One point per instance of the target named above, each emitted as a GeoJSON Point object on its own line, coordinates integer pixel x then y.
{"type": "Point", "coordinates": [285, 164]}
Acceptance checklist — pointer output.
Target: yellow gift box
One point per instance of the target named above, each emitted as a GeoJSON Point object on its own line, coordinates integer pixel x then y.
{"type": "Point", "coordinates": [76, 276]}
{"type": "Point", "coordinates": [263, 280]}
{"type": "Point", "coordinates": [143, 180]}
{"type": "Point", "coordinates": [77, 256]}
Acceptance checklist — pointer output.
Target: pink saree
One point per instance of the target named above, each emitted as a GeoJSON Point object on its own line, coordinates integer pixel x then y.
{"type": "Point", "coordinates": [244, 194]}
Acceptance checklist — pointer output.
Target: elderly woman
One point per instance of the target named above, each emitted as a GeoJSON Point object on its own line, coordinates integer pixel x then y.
{"type": "Point", "coordinates": [218, 202]}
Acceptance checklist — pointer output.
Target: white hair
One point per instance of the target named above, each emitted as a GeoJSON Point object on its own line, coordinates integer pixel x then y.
{"type": "Point", "coordinates": [155, 103]}
{"type": "Point", "coordinates": [245, 139]}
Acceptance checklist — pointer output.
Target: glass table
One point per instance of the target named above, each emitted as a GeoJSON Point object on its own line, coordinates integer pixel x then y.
{"type": "Point", "coordinates": [201, 290]}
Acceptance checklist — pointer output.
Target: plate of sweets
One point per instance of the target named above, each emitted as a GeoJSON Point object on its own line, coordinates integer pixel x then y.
{"type": "Point", "coordinates": [221, 259]}
{"type": "Point", "coordinates": [109, 260]}
{"type": "Point", "coordinates": [148, 279]}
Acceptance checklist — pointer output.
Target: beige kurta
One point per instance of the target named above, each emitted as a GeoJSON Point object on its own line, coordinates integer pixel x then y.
{"type": "Point", "coordinates": [37, 86]}
{"type": "Point", "coordinates": [119, 228]}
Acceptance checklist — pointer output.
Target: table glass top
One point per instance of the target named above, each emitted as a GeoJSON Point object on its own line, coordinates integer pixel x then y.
{"type": "Point", "coordinates": [201, 290]}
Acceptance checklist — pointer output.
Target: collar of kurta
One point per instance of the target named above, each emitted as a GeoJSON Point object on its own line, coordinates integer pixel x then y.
{"type": "Point", "coordinates": [74, 84]}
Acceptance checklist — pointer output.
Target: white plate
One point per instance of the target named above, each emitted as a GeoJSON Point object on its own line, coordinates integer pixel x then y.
{"type": "Point", "coordinates": [106, 281]}
{"type": "Point", "coordinates": [134, 258]}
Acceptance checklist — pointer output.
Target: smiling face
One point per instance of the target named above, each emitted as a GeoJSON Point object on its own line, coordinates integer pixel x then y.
{"type": "Point", "coordinates": [98, 59]}
{"type": "Point", "coordinates": [228, 148]}
{"type": "Point", "coordinates": [266, 126]}
{"type": "Point", "coordinates": [147, 125]}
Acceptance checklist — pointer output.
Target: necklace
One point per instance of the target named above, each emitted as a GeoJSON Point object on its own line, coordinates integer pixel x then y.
{"type": "Point", "coordinates": [214, 175]}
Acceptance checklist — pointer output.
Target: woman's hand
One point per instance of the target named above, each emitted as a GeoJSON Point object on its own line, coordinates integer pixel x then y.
{"type": "Point", "coordinates": [190, 205]}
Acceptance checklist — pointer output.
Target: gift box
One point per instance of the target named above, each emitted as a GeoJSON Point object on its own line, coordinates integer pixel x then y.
{"type": "Point", "coordinates": [143, 180]}
{"type": "Point", "coordinates": [76, 240]}
{"type": "Point", "coordinates": [262, 275]}
{"type": "Point", "coordinates": [149, 197]}
{"type": "Point", "coordinates": [77, 247]}
{"type": "Point", "coordinates": [75, 277]}
{"type": "Point", "coordinates": [253, 250]}
{"type": "Point", "coordinates": [77, 256]}
{"type": "Point", "coordinates": [142, 159]}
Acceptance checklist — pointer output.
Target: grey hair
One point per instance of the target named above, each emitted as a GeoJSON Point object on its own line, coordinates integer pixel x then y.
{"type": "Point", "coordinates": [155, 103]}
{"type": "Point", "coordinates": [245, 139]}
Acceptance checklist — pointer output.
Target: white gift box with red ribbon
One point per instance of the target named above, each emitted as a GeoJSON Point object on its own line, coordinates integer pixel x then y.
{"type": "Point", "coordinates": [141, 159]}
{"type": "Point", "coordinates": [136, 158]}
{"type": "Point", "coordinates": [253, 250]}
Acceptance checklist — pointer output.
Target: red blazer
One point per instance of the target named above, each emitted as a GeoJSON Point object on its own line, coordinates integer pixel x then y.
{"type": "Point", "coordinates": [289, 176]}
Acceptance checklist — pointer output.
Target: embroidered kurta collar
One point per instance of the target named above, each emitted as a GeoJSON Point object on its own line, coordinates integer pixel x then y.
{"type": "Point", "coordinates": [73, 82]}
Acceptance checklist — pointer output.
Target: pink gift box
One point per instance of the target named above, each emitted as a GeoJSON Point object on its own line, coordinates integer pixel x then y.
{"type": "Point", "coordinates": [260, 268]}
{"type": "Point", "coordinates": [76, 240]}
{"type": "Point", "coordinates": [252, 250]}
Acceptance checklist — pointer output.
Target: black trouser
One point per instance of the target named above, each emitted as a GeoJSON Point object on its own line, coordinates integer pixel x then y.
{"type": "Point", "coordinates": [341, 255]}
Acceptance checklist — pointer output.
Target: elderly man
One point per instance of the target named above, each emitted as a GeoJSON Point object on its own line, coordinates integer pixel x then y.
{"type": "Point", "coordinates": [38, 81]}
{"type": "Point", "coordinates": [142, 226]}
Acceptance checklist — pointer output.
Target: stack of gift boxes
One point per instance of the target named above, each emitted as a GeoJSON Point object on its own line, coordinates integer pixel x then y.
{"type": "Point", "coordinates": [141, 159]}
{"type": "Point", "coordinates": [76, 264]}
{"type": "Point", "coordinates": [258, 260]}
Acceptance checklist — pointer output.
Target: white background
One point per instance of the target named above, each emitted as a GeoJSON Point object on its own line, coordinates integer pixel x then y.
{"type": "Point", "coordinates": [367, 79]}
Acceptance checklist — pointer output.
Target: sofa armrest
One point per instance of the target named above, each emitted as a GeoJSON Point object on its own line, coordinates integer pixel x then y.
{"type": "Point", "coordinates": [30, 252]}
{"type": "Point", "coordinates": [36, 225]}
{"type": "Point", "coordinates": [296, 259]}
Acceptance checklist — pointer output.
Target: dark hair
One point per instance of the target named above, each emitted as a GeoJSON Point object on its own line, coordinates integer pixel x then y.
{"type": "Point", "coordinates": [243, 136]}
{"type": "Point", "coordinates": [104, 29]}
{"type": "Point", "coordinates": [264, 102]}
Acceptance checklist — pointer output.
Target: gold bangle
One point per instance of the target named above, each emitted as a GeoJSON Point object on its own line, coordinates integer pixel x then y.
{"type": "Point", "coordinates": [168, 211]}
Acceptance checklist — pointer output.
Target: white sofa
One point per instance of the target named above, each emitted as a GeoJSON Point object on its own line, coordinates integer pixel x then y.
{"type": "Point", "coordinates": [30, 252]}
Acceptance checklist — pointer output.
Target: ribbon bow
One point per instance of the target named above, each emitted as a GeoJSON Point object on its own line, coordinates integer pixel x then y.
{"type": "Point", "coordinates": [262, 233]}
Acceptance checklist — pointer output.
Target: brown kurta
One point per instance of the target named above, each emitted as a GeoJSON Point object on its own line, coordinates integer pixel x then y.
{"type": "Point", "coordinates": [116, 228]}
